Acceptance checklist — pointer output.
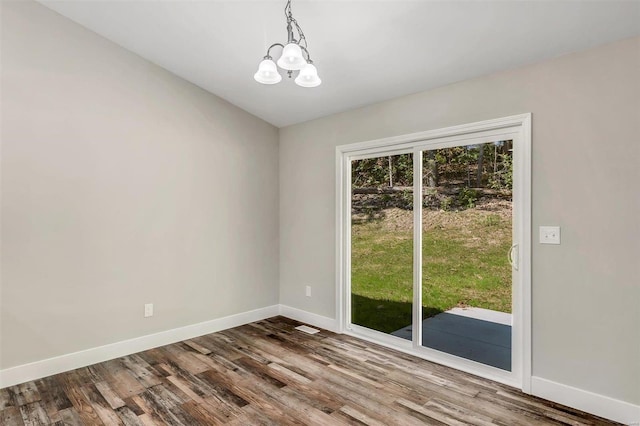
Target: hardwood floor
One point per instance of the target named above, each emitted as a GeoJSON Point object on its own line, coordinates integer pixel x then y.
{"type": "Point", "coordinates": [267, 373]}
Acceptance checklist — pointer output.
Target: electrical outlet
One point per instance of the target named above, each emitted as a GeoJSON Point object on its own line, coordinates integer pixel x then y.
{"type": "Point", "coordinates": [308, 291]}
{"type": "Point", "coordinates": [148, 310]}
{"type": "Point", "coordinates": [549, 235]}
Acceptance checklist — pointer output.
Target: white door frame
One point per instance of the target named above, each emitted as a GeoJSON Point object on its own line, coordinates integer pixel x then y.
{"type": "Point", "coordinates": [517, 128]}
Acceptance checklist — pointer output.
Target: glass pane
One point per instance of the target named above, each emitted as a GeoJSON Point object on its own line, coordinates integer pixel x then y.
{"type": "Point", "coordinates": [467, 234]}
{"type": "Point", "coordinates": [382, 243]}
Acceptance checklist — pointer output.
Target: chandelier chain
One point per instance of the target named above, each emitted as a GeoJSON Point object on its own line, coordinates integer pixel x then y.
{"type": "Point", "coordinates": [289, 15]}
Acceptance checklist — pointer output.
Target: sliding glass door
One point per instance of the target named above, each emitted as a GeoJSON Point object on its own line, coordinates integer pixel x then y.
{"type": "Point", "coordinates": [432, 237]}
{"type": "Point", "coordinates": [382, 243]}
{"type": "Point", "coordinates": [466, 238]}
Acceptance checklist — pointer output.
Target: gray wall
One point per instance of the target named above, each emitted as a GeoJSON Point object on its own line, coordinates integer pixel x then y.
{"type": "Point", "coordinates": [122, 184]}
{"type": "Point", "coordinates": [586, 172]}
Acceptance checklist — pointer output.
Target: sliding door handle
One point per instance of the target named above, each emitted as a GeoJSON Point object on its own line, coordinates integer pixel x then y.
{"type": "Point", "coordinates": [513, 260]}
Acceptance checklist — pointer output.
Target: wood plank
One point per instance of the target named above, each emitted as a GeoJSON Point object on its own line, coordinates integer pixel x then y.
{"type": "Point", "coordinates": [147, 420]}
{"type": "Point", "coordinates": [176, 391]}
{"type": "Point", "coordinates": [261, 371]}
{"type": "Point", "coordinates": [6, 399]}
{"type": "Point", "coordinates": [216, 382]}
{"type": "Point", "coordinates": [133, 406]}
{"type": "Point", "coordinates": [109, 395]}
{"type": "Point", "coordinates": [120, 379]}
{"type": "Point", "coordinates": [244, 392]}
{"type": "Point", "coordinates": [70, 417]}
{"type": "Point", "coordinates": [101, 406]}
{"type": "Point", "coordinates": [34, 415]}
{"type": "Point", "coordinates": [196, 346]}
{"type": "Point", "coordinates": [81, 404]}
{"type": "Point", "coordinates": [253, 416]}
{"type": "Point", "coordinates": [186, 359]}
{"type": "Point", "coordinates": [431, 413]}
{"type": "Point", "coordinates": [141, 370]}
{"type": "Point", "coordinates": [289, 374]}
{"type": "Point", "coordinates": [128, 417]}
{"type": "Point", "coordinates": [11, 416]}
{"type": "Point", "coordinates": [148, 415]}
{"type": "Point", "coordinates": [362, 418]}
{"type": "Point", "coordinates": [222, 411]}
{"type": "Point", "coordinates": [168, 406]}
{"type": "Point", "coordinates": [180, 384]}
{"type": "Point", "coordinates": [25, 393]}
{"type": "Point", "coordinates": [200, 414]}
{"type": "Point", "coordinates": [361, 400]}
{"type": "Point", "coordinates": [158, 409]}
{"type": "Point", "coordinates": [53, 397]}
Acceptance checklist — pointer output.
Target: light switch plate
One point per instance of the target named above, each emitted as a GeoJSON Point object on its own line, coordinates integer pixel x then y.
{"type": "Point", "coordinates": [549, 235]}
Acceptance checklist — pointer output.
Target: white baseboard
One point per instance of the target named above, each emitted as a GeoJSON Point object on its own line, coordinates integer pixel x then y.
{"type": "Point", "coordinates": [307, 317]}
{"type": "Point", "coordinates": [47, 367]}
{"type": "Point", "coordinates": [600, 405]}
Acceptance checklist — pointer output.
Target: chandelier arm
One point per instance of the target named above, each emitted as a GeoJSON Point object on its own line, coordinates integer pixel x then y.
{"type": "Point", "coordinates": [304, 49]}
{"type": "Point", "coordinates": [268, 56]}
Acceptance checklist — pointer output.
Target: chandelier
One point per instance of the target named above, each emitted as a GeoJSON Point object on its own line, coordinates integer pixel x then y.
{"type": "Point", "coordinates": [291, 59]}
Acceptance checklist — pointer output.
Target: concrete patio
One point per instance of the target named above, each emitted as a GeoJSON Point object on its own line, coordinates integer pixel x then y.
{"type": "Point", "coordinates": [481, 335]}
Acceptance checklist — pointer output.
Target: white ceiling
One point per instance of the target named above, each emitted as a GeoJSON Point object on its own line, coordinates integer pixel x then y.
{"type": "Point", "coordinates": [365, 51]}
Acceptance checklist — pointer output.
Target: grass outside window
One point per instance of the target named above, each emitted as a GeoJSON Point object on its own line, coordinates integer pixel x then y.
{"type": "Point", "coordinates": [464, 264]}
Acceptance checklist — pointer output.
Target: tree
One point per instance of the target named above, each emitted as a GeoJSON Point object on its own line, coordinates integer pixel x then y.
{"type": "Point", "coordinates": [431, 170]}
{"type": "Point", "coordinates": [480, 161]}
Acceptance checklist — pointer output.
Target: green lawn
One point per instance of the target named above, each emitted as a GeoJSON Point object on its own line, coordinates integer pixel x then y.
{"type": "Point", "coordinates": [464, 264]}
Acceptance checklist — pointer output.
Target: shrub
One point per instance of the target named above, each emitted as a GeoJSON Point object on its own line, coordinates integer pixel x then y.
{"type": "Point", "coordinates": [445, 204]}
{"type": "Point", "coordinates": [468, 197]}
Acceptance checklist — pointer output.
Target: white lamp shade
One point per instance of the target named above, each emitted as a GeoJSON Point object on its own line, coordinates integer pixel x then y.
{"type": "Point", "coordinates": [291, 58]}
{"type": "Point", "coordinates": [308, 77]}
{"type": "Point", "coordinates": [267, 73]}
